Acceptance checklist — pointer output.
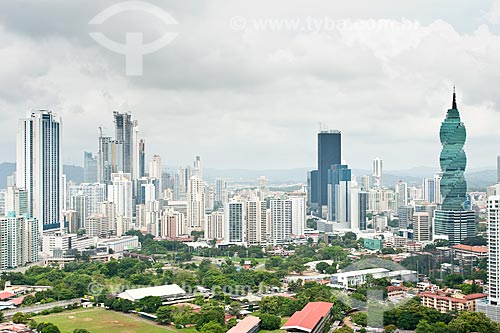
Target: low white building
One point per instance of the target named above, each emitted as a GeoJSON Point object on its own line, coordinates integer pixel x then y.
{"type": "Point", "coordinates": [356, 278]}
{"type": "Point", "coordinates": [166, 292]}
{"type": "Point", "coordinates": [120, 244]}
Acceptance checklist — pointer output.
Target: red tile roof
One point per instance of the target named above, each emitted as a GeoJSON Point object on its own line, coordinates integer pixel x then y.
{"type": "Point", "coordinates": [471, 248]}
{"type": "Point", "coordinates": [245, 325]}
{"type": "Point", "coordinates": [309, 317]}
{"type": "Point", "coordinates": [5, 295]}
{"type": "Point", "coordinates": [475, 296]}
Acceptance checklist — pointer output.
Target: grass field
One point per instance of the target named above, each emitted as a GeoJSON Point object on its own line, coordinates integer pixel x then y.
{"type": "Point", "coordinates": [98, 320]}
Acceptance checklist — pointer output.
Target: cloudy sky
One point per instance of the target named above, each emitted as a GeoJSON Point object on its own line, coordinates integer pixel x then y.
{"type": "Point", "coordinates": [246, 84]}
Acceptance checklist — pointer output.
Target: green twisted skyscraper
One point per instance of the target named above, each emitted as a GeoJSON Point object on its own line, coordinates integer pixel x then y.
{"type": "Point", "coordinates": [453, 160]}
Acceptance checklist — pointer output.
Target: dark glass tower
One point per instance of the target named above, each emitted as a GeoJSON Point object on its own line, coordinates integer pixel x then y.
{"type": "Point", "coordinates": [453, 160]}
{"type": "Point", "coordinates": [329, 153]}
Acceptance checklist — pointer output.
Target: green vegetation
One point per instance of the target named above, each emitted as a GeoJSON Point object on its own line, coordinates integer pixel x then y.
{"type": "Point", "coordinates": [97, 320]}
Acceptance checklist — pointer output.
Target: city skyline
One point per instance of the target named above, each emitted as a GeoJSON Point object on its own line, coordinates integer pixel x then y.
{"type": "Point", "coordinates": [369, 92]}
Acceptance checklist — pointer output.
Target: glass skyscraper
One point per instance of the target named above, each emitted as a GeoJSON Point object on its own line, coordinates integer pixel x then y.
{"type": "Point", "coordinates": [452, 220]}
{"type": "Point", "coordinates": [453, 160]}
{"type": "Point", "coordinates": [329, 153]}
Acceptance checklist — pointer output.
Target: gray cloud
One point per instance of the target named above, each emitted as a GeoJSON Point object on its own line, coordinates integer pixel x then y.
{"type": "Point", "coordinates": [255, 98]}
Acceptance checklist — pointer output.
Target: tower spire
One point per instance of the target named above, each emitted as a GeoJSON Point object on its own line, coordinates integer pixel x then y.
{"type": "Point", "coordinates": [454, 103]}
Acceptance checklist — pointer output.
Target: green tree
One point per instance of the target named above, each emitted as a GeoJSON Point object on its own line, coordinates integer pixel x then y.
{"type": "Point", "coordinates": [80, 330]}
{"type": "Point", "coordinates": [150, 304]}
{"type": "Point", "coordinates": [322, 267]}
{"type": "Point", "coordinates": [20, 318]}
{"type": "Point", "coordinates": [234, 308]}
{"type": "Point", "coordinates": [360, 318]}
{"type": "Point", "coordinates": [165, 314]}
{"type": "Point", "coordinates": [213, 327]}
{"type": "Point", "coordinates": [269, 321]}
{"type": "Point", "coordinates": [46, 327]}
{"type": "Point", "coordinates": [468, 322]}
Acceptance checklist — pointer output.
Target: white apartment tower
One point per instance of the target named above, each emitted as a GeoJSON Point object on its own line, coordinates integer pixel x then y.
{"type": "Point", "coordinates": [155, 167]}
{"type": "Point", "coordinates": [196, 203]}
{"type": "Point", "coordinates": [281, 221]}
{"type": "Point", "coordinates": [298, 214]}
{"type": "Point", "coordinates": [377, 173]}
{"type": "Point", "coordinates": [120, 193]}
{"type": "Point", "coordinates": [492, 307]}
{"type": "Point", "coordinates": [256, 219]}
{"type": "Point", "coordinates": [39, 166]}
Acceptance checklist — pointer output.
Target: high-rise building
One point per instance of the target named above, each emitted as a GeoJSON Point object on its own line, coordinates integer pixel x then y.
{"type": "Point", "coordinates": [281, 221]}
{"type": "Point", "coordinates": [147, 189]}
{"type": "Point", "coordinates": [120, 193]}
{"type": "Point", "coordinates": [437, 188]}
{"type": "Point", "coordinates": [329, 153]}
{"type": "Point", "coordinates": [136, 151]}
{"type": "Point", "coordinates": [429, 186]}
{"type": "Point", "coordinates": [172, 224]}
{"type": "Point", "coordinates": [123, 134]}
{"type": "Point", "coordinates": [405, 214]}
{"type": "Point", "coordinates": [339, 184]}
{"type": "Point", "coordinates": [235, 229]}
{"type": "Point", "coordinates": [221, 195]}
{"type": "Point", "coordinates": [256, 222]}
{"type": "Point", "coordinates": [365, 183]}
{"type": "Point", "coordinates": [3, 194]}
{"type": "Point", "coordinates": [263, 187]}
{"type": "Point", "coordinates": [39, 166]}
{"type": "Point", "coordinates": [155, 167]}
{"type": "Point", "coordinates": [401, 194]}
{"type": "Point", "coordinates": [142, 159]}
{"type": "Point", "coordinates": [422, 227]}
{"type": "Point", "coordinates": [196, 203]}
{"type": "Point", "coordinates": [362, 209]}
{"type": "Point", "coordinates": [453, 160]}
{"type": "Point", "coordinates": [95, 193]}
{"type": "Point", "coordinates": [498, 169]}
{"type": "Point", "coordinates": [298, 213]}
{"type": "Point", "coordinates": [456, 225]}
{"type": "Point", "coordinates": [312, 191]}
{"type": "Point", "coordinates": [89, 167]}
{"type": "Point", "coordinates": [492, 306]}
{"type": "Point", "coordinates": [214, 226]}
{"type": "Point", "coordinates": [19, 240]}
{"type": "Point", "coordinates": [197, 170]}
{"type": "Point", "coordinates": [452, 220]}
{"type": "Point", "coordinates": [377, 173]}
{"type": "Point", "coordinates": [16, 200]}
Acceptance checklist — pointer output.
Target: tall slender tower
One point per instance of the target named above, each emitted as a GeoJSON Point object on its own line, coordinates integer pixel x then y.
{"type": "Point", "coordinates": [453, 160]}
{"type": "Point", "coordinates": [329, 153]}
{"type": "Point", "coordinates": [123, 134]}
{"type": "Point", "coordinates": [452, 220]}
{"type": "Point", "coordinates": [39, 166]}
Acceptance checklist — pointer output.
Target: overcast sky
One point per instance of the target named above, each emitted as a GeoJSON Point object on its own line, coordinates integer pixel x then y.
{"type": "Point", "coordinates": [245, 84]}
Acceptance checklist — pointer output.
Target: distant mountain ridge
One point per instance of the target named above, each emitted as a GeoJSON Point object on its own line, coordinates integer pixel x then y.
{"type": "Point", "coordinates": [476, 178]}
{"type": "Point", "coordinates": [73, 173]}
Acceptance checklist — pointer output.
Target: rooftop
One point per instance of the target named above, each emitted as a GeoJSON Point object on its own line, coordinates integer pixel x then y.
{"type": "Point", "coordinates": [472, 248]}
{"type": "Point", "coordinates": [168, 290]}
{"type": "Point", "coordinates": [309, 317]}
{"type": "Point", "coordinates": [245, 325]}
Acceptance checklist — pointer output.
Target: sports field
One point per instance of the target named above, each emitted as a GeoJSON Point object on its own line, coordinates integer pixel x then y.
{"type": "Point", "coordinates": [98, 320]}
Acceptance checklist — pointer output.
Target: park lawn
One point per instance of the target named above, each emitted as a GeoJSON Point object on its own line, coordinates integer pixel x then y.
{"type": "Point", "coordinates": [99, 320]}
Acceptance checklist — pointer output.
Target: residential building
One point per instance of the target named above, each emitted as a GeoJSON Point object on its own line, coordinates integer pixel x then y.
{"type": "Point", "coordinates": [39, 166]}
